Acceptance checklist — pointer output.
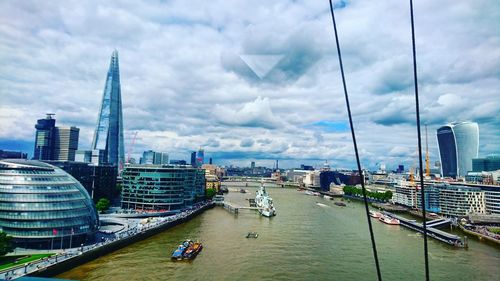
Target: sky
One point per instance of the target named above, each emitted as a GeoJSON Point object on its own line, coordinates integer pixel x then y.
{"type": "Point", "coordinates": [254, 80]}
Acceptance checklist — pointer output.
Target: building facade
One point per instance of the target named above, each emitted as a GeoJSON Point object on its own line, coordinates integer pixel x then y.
{"type": "Point", "coordinates": [65, 143]}
{"type": "Point", "coordinates": [490, 163]}
{"type": "Point", "coordinates": [200, 157]}
{"type": "Point", "coordinates": [40, 203]}
{"type": "Point", "coordinates": [151, 157]}
{"type": "Point", "coordinates": [458, 144]}
{"type": "Point", "coordinates": [160, 188]}
{"type": "Point", "coordinates": [44, 138]}
{"type": "Point", "coordinates": [98, 180]}
{"type": "Point", "coordinates": [7, 154]}
{"type": "Point", "coordinates": [108, 135]}
{"type": "Point", "coordinates": [458, 201]}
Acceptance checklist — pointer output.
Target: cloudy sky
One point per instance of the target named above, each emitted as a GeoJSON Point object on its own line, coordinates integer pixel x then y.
{"type": "Point", "coordinates": [253, 80]}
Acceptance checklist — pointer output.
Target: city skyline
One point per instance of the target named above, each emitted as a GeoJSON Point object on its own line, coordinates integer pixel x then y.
{"type": "Point", "coordinates": [207, 89]}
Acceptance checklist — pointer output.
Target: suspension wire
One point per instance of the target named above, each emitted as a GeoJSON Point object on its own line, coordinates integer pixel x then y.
{"type": "Point", "coordinates": [421, 174]}
{"type": "Point", "coordinates": [374, 246]}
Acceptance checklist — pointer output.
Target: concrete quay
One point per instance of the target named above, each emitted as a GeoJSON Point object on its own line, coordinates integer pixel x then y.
{"type": "Point", "coordinates": [70, 258]}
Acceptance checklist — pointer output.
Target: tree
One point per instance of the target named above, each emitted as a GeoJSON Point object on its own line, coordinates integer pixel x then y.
{"type": "Point", "coordinates": [6, 245]}
{"type": "Point", "coordinates": [102, 204]}
{"type": "Point", "coordinates": [210, 192]}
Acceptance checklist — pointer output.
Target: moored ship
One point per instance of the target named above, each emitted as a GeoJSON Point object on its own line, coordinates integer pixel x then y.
{"type": "Point", "coordinates": [264, 202]}
{"type": "Point", "coordinates": [389, 220]}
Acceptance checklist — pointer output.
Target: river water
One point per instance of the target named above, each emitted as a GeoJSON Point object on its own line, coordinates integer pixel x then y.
{"type": "Point", "coordinates": [305, 241]}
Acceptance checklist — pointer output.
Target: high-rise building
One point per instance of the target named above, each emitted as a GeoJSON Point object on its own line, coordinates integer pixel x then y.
{"type": "Point", "coordinates": [65, 143]}
{"type": "Point", "coordinates": [458, 145]}
{"type": "Point", "coordinates": [108, 135]}
{"type": "Point", "coordinates": [193, 158]}
{"type": "Point", "coordinates": [44, 138]}
{"type": "Point", "coordinates": [151, 157]}
{"type": "Point", "coordinates": [200, 157]}
{"type": "Point", "coordinates": [252, 164]}
{"type": "Point", "coordinates": [55, 143]}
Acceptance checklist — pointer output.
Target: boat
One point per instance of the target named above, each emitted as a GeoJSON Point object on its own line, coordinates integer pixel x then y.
{"type": "Point", "coordinates": [327, 197]}
{"type": "Point", "coordinates": [264, 202]}
{"type": "Point", "coordinates": [178, 253]}
{"type": "Point", "coordinates": [341, 204]}
{"type": "Point", "coordinates": [192, 250]}
{"type": "Point", "coordinates": [375, 214]}
{"type": "Point", "coordinates": [252, 235]}
{"type": "Point", "coordinates": [321, 204]}
{"type": "Point", "coordinates": [242, 190]}
{"type": "Point", "coordinates": [389, 220]}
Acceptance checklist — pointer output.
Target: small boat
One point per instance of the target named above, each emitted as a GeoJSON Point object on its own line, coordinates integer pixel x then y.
{"type": "Point", "coordinates": [327, 197]}
{"type": "Point", "coordinates": [192, 250]}
{"type": "Point", "coordinates": [389, 220]}
{"type": "Point", "coordinates": [252, 235]}
{"type": "Point", "coordinates": [375, 214]}
{"type": "Point", "coordinates": [177, 254]}
{"type": "Point", "coordinates": [242, 190]}
{"type": "Point", "coordinates": [341, 204]}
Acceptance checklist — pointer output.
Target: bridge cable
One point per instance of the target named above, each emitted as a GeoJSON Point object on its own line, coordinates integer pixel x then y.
{"type": "Point", "coordinates": [374, 246]}
{"type": "Point", "coordinates": [417, 111]}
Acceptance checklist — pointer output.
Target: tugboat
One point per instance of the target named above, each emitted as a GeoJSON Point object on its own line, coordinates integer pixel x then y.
{"type": "Point", "coordinates": [188, 250]}
{"type": "Point", "coordinates": [264, 202]}
{"type": "Point", "coordinates": [193, 250]}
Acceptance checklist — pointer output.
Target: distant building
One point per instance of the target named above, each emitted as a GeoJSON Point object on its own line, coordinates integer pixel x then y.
{"type": "Point", "coordinates": [401, 169]}
{"type": "Point", "coordinates": [252, 164]}
{"type": "Point", "coordinates": [163, 188]}
{"type": "Point", "coordinates": [178, 162]}
{"type": "Point", "coordinates": [7, 154]}
{"type": "Point", "coordinates": [490, 163]}
{"type": "Point", "coordinates": [96, 156]}
{"type": "Point", "coordinates": [65, 143]}
{"type": "Point", "coordinates": [151, 157]}
{"type": "Point", "coordinates": [108, 135]}
{"type": "Point", "coordinates": [458, 144]}
{"type": "Point", "coordinates": [43, 205]}
{"type": "Point", "coordinates": [193, 159]}
{"type": "Point", "coordinates": [306, 167]}
{"type": "Point", "coordinates": [200, 157]}
{"type": "Point", "coordinates": [55, 143]}
{"type": "Point", "coordinates": [44, 138]}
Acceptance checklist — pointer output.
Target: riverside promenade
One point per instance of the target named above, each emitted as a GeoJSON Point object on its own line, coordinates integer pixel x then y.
{"type": "Point", "coordinates": [69, 258]}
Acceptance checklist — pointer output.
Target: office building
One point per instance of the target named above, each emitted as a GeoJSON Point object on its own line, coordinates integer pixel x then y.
{"type": "Point", "coordinates": [55, 143]}
{"type": "Point", "coordinates": [200, 157]}
{"type": "Point", "coordinates": [458, 144]}
{"type": "Point", "coordinates": [108, 135]}
{"type": "Point", "coordinates": [460, 201]}
{"type": "Point", "coordinates": [193, 159]}
{"type": "Point", "coordinates": [40, 204]}
{"type": "Point", "coordinates": [252, 165]}
{"type": "Point", "coordinates": [44, 138]}
{"type": "Point", "coordinates": [151, 157]}
{"type": "Point", "coordinates": [65, 143]}
{"type": "Point", "coordinates": [7, 154]}
{"type": "Point", "coordinates": [161, 188]}
{"type": "Point", "coordinates": [98, 180]}
{"type": "Point", "coordinates": [490, 163]}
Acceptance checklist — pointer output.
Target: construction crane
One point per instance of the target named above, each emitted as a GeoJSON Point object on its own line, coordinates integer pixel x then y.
{"type": "Point", "coordinates": [131, 147]}
{"type": "Point", "coordinates": [427, 162]}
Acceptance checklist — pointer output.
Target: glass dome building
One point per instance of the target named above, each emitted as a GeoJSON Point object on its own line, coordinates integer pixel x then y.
{"type": "Point", "coordinates": [42, 206]}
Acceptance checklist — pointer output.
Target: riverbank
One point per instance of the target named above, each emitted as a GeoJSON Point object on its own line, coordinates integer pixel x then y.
{"type": "Point", "coordinates": [74, 257]}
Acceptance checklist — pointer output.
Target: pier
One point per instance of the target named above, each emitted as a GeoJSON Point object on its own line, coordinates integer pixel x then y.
{"type": "Point", "coordinates": [235, 209]}
{"type": "Point", "coordinates": [432, 232]}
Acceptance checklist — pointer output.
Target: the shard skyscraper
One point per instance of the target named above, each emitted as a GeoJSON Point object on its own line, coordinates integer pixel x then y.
{"type": "Point", "coordinates": [108, 135]}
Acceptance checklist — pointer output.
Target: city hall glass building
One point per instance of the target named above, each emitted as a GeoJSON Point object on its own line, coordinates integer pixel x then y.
{"type": "Point", "coordinates": [161, 188]}
{"type": "Point", "coordinates": [458, 144]}
{"type": "Point", "coordinates": [108, 135]}
{"type": "Point", "coordinates": [41, 205]}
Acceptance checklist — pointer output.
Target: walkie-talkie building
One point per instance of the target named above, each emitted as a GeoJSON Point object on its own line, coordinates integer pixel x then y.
{"type": "Point", "coordinates": [458, 145]}
{"type": "Point", "coordinates": [108, 135]}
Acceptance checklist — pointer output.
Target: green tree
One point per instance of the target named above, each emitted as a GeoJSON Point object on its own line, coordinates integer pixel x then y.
{"type": "Point", "coordinates": [210, 192]}
{"type": "Point", "coordinates": [102, 205]}
{"type": "Point", "coordinates": [6, 245]}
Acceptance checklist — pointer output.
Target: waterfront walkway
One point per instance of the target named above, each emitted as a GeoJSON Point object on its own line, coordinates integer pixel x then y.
{"type": "Point", "coordinates": [139, 229]}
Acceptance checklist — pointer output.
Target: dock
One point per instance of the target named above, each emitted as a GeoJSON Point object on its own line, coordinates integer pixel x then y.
{"type": "Point", "coordinates": [432, 231]}
{"type": "Point", "coordinates": [235, 209]}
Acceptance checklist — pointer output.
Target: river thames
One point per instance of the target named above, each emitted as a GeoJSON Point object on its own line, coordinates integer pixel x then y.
{"type": "Point", "coordinates": [305, 241]}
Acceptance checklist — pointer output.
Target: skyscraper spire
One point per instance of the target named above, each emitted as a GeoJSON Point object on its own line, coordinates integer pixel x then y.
{"type": "Point", "coordinates": [108, 135]}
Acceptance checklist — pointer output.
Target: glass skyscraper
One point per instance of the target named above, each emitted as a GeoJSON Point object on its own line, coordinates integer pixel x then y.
{"type": "Point", "coordinates": [458, 145]}
{"type": "Point", "coordinates": [108, 135]}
